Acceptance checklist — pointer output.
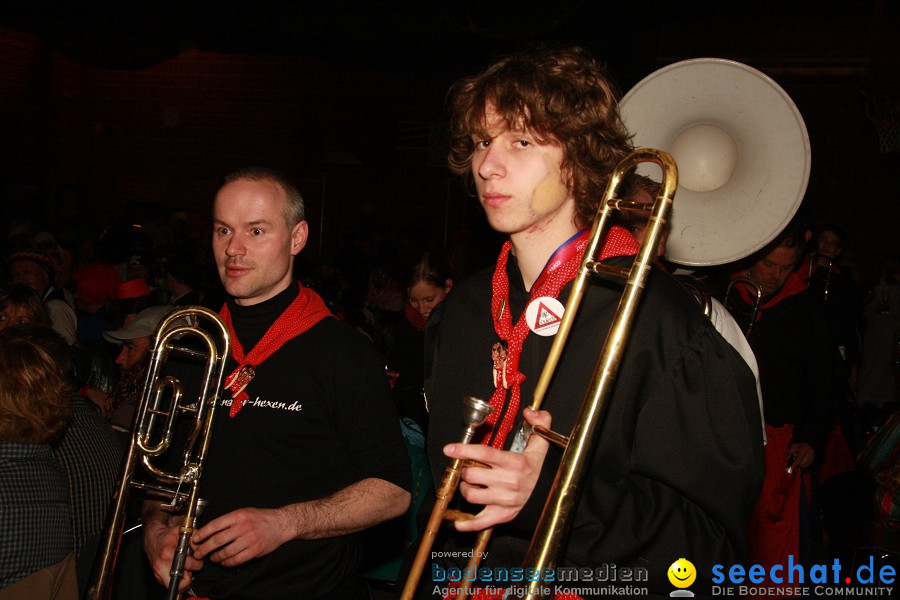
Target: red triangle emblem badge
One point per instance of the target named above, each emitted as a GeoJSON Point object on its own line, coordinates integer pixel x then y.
{"type": "Point", "coordinates": [545, 317]}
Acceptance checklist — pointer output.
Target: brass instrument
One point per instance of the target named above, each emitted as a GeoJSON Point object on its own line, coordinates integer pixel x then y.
{"type": "Point", "coordinates": [162, 402]}
{"type": "Point", "coordinates": [813, 267]}
{"type": "Point", "coordinates": [476, 412]}
{"type": "Point", "coordinates": [556, 518]}
{"type": "Point", "coordinates": [698, 290]}
{"type": "Point", "coordinates": [742, 151]}
{"type": "Point", "coordinates": [559, 509]}
{"type": "Point", "coordinates": [757, 303]}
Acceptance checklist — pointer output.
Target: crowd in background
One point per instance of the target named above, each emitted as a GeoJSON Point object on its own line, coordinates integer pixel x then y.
{"type": "Point", "coordinates": [95, 293]}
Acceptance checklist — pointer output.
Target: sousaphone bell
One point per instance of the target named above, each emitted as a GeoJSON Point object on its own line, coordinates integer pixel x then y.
{"type": "Point", "coordinates": [742, 152]}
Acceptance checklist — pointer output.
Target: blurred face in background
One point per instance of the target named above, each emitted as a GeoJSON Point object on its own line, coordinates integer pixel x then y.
{"type": "Point", "coordinates": [14, 315]}
{"type": "Point", "coordinates": [31, 274]}
{"type": "Point", "coordinates": [133, 352]}
{"type": "Point", "coordinates": [773, 270]}
{"type": "Point", "coordinates": [829, 243]}
{"type": "Point", "coordinates": [424, 296]}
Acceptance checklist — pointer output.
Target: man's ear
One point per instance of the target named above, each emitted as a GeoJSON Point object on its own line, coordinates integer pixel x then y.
{"type": "Point", "coordinates": [299, 236]}
{"type": "Point", "coordinates": [448, 285]}
{"type": "Point", "coordinates": [808, 235]}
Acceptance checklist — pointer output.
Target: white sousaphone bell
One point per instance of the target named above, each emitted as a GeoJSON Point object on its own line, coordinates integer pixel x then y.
{"type": "Point", "coordinates": [741, 148]}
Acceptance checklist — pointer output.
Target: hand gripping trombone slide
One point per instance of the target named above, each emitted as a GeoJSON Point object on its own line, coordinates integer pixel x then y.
{"type": "Point", "coordinates": [556, 519]}
{"type": "Point", "coordinates": [151, 436]}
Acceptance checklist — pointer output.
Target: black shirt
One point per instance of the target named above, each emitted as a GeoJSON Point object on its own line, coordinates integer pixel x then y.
{"type": "Point", "coordinates": [319, 418]}
{"type": "Point", "coordinates": [678, 463]}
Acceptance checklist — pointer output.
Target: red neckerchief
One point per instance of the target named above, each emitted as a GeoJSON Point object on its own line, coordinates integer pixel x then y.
{"type": "Point", "coordinates": [559, 270]}
{"type": "Point", "coordinates": [306, 310]}
{"type": "Point", "coordinates": [414, 318]}
{"type": "Point", "coordinates": [792, 286]}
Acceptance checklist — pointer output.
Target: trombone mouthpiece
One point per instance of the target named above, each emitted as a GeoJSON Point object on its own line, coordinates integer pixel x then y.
{"type": "Point", "coordinates": [476, 411]}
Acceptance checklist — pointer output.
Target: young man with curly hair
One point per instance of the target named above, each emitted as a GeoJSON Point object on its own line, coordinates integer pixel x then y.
{"type": "Point", "coordinates": [678, 462]}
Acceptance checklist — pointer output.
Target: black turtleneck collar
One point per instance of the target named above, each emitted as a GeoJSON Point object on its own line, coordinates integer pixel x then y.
{"type": "Point", "coordinates": [251, 322]}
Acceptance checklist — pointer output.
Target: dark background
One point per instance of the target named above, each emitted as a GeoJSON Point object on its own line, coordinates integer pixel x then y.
{"type": "Point", "coordinates": [133, 111]}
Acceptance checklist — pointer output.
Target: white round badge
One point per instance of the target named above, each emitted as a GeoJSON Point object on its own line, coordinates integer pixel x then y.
{"type": "Point", "coordinates": [544, 315]}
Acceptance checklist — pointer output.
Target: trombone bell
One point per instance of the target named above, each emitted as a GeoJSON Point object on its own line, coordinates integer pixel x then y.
{"type": "Point", "coordinates": [161, 404]}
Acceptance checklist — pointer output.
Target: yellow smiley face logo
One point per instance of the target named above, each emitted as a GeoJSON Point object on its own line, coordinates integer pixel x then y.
{"type": "Point", "coordinates": [682, 573]}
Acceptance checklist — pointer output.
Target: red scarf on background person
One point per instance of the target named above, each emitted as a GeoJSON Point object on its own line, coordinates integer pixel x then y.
{"type": "Point", "coordinates": [774, 526]}
{"type": "Point", "coordinates": [559, 270]}
{"type": "Point", "coordinates": [792, 286]}
{"type": "Point", "coordinates": [306, 310]}
{"type": "Point", "coordinates": [414, 318]}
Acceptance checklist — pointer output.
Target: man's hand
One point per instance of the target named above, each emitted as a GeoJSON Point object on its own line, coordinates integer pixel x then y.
{"type": "Point", "coordinates": [241, 535]}
{"type": "Point", "coordinates": [506, 485]}
{"type": "Point", "coordinates": [800, 456]}
{"type": "Point", "coordinates": [160, 542]}
{"type": "Point", "coordinates": [247, 533]}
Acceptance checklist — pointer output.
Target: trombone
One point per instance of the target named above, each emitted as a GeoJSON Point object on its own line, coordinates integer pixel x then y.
{"type": "Point", "coordinates": [757, 302]}
{"type": "Point", "coordinates": [829, 269]}
{"type": "Point", "coordinates": [162, 402]}
{"type": "Point", "coordinates": [556, 519]}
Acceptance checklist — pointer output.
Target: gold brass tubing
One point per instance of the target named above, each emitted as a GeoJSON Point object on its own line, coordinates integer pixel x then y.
{"type": "Point", "coordinates": [451, 514]}
{"type": "Point", "coordinates": [697, 289]}
{"type": "Point", "coordinates": [476, 412]}
{"type": "Point", "coordinates": [552, 436]}
{"type": "Point", "coordinates": [143, 446]}
{"type": "Point", "coordinates": [481, 544]}
{"type": "Point", "coordinates": [556, 519]}
{"type": "Point", "coordinates": [602, 269]}
{"type": "Point", "coordinates": [630, 205]}
{"type": "Point", "coordinates": [753, 285]}
{"type": "Point", "coordinates": [813, 266]}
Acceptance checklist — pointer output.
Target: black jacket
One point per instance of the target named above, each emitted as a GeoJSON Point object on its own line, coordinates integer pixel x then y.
{"type": "Point", "coordinates": [678, 464]}
{"type": "Point", "coordinates": [800, 368]}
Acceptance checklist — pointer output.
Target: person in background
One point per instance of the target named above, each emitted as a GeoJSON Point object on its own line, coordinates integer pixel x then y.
{"type": "Point", "coordinates": [134, 341]}
{"type": "Point", "coordinates": [95, 288]}
{"type": "Point", "coordinates": [824, 272]}
{"type": "Point", "coordinates": [36, 542]}
{"type": "Point", "coordinates": [61, 258]}
{"type": "Point", "coordinates": [428, 282]}
{"type": "Point", "coordinates": [798, 366]}
{"type": "Point", "coordinates": [181, 275]}
{"type": "Point", "coordinates": [645, 190]}
{"type": "Point", "coordinates": [35, 269]}
{"type": "Point", "coordinates": [89, 450]}
{"type": "Point", "coordinates": [20, 304]}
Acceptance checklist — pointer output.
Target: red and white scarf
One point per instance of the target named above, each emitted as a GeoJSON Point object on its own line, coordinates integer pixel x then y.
{"type": "Point", "coordinates": [559, 270]}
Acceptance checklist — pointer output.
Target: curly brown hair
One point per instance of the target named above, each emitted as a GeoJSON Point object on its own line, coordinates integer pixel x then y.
{"type": "Point", "coordinates": [35, 398]}
{"type": "Point", "coordinates": [562, 95]}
